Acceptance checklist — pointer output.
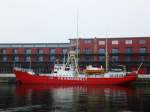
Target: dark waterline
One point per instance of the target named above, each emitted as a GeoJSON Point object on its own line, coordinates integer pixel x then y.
{"type": "Point", "coordinates": [37, 98]}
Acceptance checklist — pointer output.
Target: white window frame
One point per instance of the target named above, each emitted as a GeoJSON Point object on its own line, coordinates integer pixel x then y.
{"type": "Point", "coordinates": [115, 42]}
{"type": "Point", "coordinates": [101, 42]}
{"type": "Point", "coordinates": [142, 41]}
{"type": "Point", "coordinates": [128, 42]}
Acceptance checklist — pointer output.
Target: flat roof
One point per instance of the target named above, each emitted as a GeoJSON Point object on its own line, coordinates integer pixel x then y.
{"type": "Point", "coordinates": [110, 38]}
{"type": "Point", "coordinates": [33, 45]}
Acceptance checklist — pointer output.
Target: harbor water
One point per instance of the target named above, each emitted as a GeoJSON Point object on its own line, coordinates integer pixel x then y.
{"type": "Point", "coordinates": [48, 98]}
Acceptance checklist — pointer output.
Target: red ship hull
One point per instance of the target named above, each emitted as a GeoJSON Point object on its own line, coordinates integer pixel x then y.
{"type": "Point", "coordinates": [26, 78]}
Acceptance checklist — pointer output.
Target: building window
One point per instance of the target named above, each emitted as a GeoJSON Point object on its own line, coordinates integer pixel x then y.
{"type": "Point", "coordinates": [88, 58]}
{"type": "Point", "coordinates": [115, 42]}
{"type": "Point", "coordinates": [40, 51]}
{"type": "Point", "coordinates": [101, 51]}
{"type": "Point", "coordinates": [3, 51]}
{"type": "Point", "coordinates": [128, 50]}
{"type": "Point", "coordinates": [142, 41]}
{"type": "Point", "coordinates": [128, 42]}
{"type": "Point", "coordinates": [115, 58]}
{"type": "Point", "coordinates": [28, 59]}
{"type": "Point", "coordinates": [88, 41]}
{"type": "Point", "coordinates": [52, 51]}
{"type": "Point", "coordinates": [128, 58]}
{"type": "Point", "coordinates": [88, 51]}
{"type": "Point", "coordinates": [40, 58]}
{"type": "Point", "coordinates": [64, 51]}
{"type": "Point", "coordinates": [114, 50]}
{"type": "Point", "coordinates": [78, 50]}
{"type": "Point", "coordinates": [15, 51]}
{"type": "Point", "coordinates": [142, 50]}
{"type": "Point", "coordinates": [101, 42]}
{"type": "Point", "coordinates": [4, 59]}
{"type": "Point", "coordinates": [28, 51]}
{"type": "Point", "coordinates": [16, 58]}
{"type": "Point", "coordinates": [52, 58]}
{"type": "Point", "coordinates": [101, 58]}
{"type": "Point", "coordinates": [142, 58]}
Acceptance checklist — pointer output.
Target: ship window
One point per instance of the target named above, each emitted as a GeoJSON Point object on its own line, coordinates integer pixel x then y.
{"type": "Point", "coordinates": [67, 69]}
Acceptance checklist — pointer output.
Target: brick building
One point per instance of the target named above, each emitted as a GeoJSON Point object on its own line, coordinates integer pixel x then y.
{"type": "Point", "coordinates": [38, 56]}
{"type": "Point", "coordinates": [131, 52]}
{"type": "Point", "coordinates": [41, 56]}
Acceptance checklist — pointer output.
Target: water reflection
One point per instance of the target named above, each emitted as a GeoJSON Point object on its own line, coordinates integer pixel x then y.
{"type": "Point", "coordinates": [75, 98]}
{"type": "Point", "coordinates": [27, 98]}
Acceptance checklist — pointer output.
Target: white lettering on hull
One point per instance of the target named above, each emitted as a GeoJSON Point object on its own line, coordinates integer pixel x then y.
{"type": "Point", "coordinates": [72, 78]}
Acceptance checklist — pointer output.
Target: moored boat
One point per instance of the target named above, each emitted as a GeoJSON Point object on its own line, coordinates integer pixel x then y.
{"type": "Point", "coordinates": [67, 78]}
{"type": "Point", "coordinates": [67, 74]}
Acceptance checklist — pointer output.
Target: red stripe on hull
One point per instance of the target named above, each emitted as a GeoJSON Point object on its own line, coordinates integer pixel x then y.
{"type": "Point", "coordinates": [26, 78]}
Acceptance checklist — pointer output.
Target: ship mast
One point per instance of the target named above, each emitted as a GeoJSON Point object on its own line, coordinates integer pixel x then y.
{"type": "Point", "coordinates": [77, 35]}
{"type": "Point", "coordinates": [106, 56]}
{"type": "Point", "coordinates": [77, 42]}
{"type": "Point", "coordinates": [74, 51]}
{"type": "Point", "coordinates": [30, 63]}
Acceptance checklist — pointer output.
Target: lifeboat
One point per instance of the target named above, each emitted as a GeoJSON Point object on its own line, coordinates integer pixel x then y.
{"type": "Point", "coordinates": [94, 70]}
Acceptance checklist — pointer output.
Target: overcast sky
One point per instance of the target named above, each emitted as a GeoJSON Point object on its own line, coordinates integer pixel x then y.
{"type": "Point", "coordinates": [55, 20]}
